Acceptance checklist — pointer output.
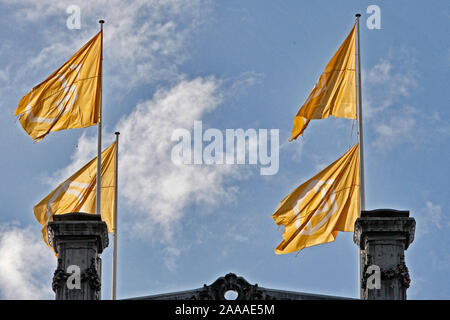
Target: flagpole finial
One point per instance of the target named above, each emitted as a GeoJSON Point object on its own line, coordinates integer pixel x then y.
{"type": "Point", "coordinates": [117, 133]}
{"type": "Point", "coordinates": [358, 15]}
{"type": "Point", "coordinates": [101, 21]}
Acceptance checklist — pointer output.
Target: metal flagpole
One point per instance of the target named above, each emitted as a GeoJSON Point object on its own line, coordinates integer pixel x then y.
{"type": "Point", "coordinates": [361, 143]}
{"type": "Point", "coordinates": [99, 132]}
{"type": "Point", "coordinates": [360, 119]}
{"type": "Point", "coordinates": [116, 172]}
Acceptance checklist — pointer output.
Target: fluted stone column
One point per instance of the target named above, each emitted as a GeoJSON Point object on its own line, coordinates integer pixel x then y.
{"type": "Point", "coordinates": [78, 239]}
{"type": "Point", "coordinates": [383, 235]}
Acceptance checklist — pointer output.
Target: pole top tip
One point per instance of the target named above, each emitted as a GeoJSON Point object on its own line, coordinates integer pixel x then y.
{"type": "Point", "coordinates": [358, 15]}
{"type": "Point", "coordinates": [117, 133]}
{"type": "Point", "coordinates": [101, 21]}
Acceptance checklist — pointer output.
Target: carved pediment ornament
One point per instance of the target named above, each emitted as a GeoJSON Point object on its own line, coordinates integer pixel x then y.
{"type": "Point", "coordinates": [217, 290]}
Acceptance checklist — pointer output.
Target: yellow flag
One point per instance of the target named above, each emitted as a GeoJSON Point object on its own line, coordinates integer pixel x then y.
{"type": "Point", "coordinates": [68, 98]}
{"type": "Point", "coordinates": [327, 203]}
{"type": "Point", "coordinates": [335, 92]}
{"type": "Point", "coordinates": [78, 193]}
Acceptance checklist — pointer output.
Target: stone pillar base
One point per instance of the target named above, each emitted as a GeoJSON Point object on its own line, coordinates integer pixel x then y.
{"type": "Point", "coordinates": [78, 239]}
{"type": "Point", "coordinates": [383, 235]}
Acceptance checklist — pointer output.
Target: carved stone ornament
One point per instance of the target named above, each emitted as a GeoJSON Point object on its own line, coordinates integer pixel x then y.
{"type": "Point", "coordinates": [245, 290]}
{"type": "Point", "coordinates": [90, 274]}
{"type": "Point", "coordinates": [400, 271]}
{"type": "Point", "coordinates": [59, 277]}
{"type": "Point", "coordinates": [50, 237]}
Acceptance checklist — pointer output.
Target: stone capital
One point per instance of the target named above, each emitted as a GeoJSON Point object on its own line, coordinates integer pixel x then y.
{"type": "Point", "coordinates": [78, 239]}
{"type": "Point", "coordinates": [383, 224]}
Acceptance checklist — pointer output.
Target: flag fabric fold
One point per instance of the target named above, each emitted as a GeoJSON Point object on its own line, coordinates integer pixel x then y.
{"type": "Point", "coordinates": [335, 92]}
{"type": "Point", "coordinates": [68, 98]}
{"type": "Point", "coordinates": [78, 193]}
{"type": "Point", "coordinates": [327, 203]}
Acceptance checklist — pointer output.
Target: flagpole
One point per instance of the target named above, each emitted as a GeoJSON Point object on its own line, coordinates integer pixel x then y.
{"type": "Point", "coordinates": [99, 129]}
{"type": "Point", "coordinates": [360, 119]}
{"type": "Point", "coordinates": [116, 172]}
{"type": "Point", "coordinates": [361, 143]}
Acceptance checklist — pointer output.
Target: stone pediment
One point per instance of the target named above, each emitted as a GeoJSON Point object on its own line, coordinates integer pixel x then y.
{"type": "Point", "coordinates": [241, 287]}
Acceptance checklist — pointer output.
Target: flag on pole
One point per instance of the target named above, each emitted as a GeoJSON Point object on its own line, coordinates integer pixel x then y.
{"type": "Point", "coordinates": [78, 193]}
{"type": "Point", "coordinates": [335, 92]}
{"type": "Point", "coordinates": [68, 98]}
{"type": "Point", "coordinates": [327, 203]}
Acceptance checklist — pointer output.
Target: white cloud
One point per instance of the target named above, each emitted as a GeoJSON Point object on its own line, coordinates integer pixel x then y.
{"type": "Point", "coordinates": [244, 231]}
{"type": "Point", "coordinates": [158, 191]}
{"type": "Point", "coordinates": [3, 75]}
{"type": "Point", "coordinates": [389, 110]}
{"type": "Point", "coordinates": [434, 214]}
{"type": "Point", "coordinates": [430, 218]}
{"type": "Point", "coordinates": [399, 126]}
{"type": "Point", "coordinates": [387, 85]}
{"type": "Point", "coordinates": [244, 81]}
{"type": "Point", "coordinates": [144, 41]}
{"type": "Point", "coordinates": [384, 85]}
{"type": "Point", "coordinates": [170, 258]}
{"type": "Point", "coordinates": [26, 264]}
{"type": "Point", "coordinates": [293, 148]}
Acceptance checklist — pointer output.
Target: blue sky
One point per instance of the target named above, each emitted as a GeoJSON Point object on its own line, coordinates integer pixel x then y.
{"type": "Point", "coordinates": [230, 64]}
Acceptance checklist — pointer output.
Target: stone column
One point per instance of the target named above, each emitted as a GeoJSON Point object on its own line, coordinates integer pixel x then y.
{"type": "Point", "coordinates": [383, 235]}
{"type": "Point", "coordinates": [78, 239]}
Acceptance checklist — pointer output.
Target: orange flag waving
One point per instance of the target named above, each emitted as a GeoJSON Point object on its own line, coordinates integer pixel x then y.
{"type": "Point", "coordinates": [68, 98]}
{"type": "Point", "coordinates": [335, 93]}
{"type": "Point", "coordinates": [327, 203]}
{"type": "Point", "coordinates": [78, 193]}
